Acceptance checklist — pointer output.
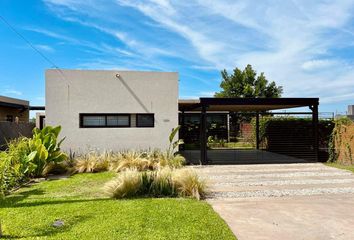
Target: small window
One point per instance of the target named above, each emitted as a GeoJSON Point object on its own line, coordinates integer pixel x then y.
{"type": "Point", "coordinates": [145, 120]}
{"type": "Point", "coordinates": [9, 118]}
{"type": "Point", "coordinates": [94, 121]}
{"type": "Point", "coordinates": [118, 120]}
{"type": "Point", "coordinates": [104, 120]}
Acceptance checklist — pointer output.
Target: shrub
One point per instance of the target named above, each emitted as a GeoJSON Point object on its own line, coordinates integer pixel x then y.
{"type": "Point", "coordinates": [92, 162]}
{"type": "Point", "coordinates": [341, 142]}
{"type": "Point", "coordinates": [139, 160]}
{"type": "Point", "coordinates": [164, 182]}
{"type": "Point", "coordinates": [126, 185]}
{"type": "Point", "coordinates": [132, 160]}
{"type": "Point", "coordinates": [188, 183]}
{"type": "Point", "coordinates": [29, 157]}
{"type": "Point", "coordinates": [45, 149]}
{"type": "Point", "coordinates": [173, 161]}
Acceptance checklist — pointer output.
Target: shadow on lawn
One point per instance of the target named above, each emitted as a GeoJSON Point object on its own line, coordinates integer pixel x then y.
{"type": "Point", "coordinates": [18, 197]}
{"type": "Point", "coordinates": [51, 230]}
{"type": "Point", "coordinates": [54, 202]}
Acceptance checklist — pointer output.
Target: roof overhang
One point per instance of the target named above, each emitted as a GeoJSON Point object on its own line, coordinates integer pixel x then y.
{"type": "Point", "coordinates": [13, 103]}
{"type": "Point", "coordinates": [245, 104]}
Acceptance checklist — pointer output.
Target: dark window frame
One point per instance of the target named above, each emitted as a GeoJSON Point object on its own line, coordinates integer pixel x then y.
{"type": "Point", "coordinates": [137, 122]}
{"type": "Point", "coordinates": [9, 118]}
{"type": "Point", "coordinates": [82, 115]}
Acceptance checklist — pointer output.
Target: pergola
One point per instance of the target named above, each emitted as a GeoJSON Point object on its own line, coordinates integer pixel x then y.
{"type": "Point", "coordinates": [256, 105]}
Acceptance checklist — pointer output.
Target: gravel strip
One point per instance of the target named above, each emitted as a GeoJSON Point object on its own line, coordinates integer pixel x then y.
{"type": "Point", "coordinates": [284, 182]}
{"type": "Point", "coordinates": [281, 175]}
{"type": "Point", "coordinates": [280, 193]}
{"type": "Point", "coordinates": [235, 171]}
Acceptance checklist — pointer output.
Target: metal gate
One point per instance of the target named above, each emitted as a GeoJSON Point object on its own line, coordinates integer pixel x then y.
{"type": "Point", "coordinates": [231, 138]}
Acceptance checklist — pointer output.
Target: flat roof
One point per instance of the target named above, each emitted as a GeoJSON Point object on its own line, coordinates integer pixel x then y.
{"type": "Point", "coordinates": [244, 104]}
{"type": "Point", "coordinates": [13, 102]}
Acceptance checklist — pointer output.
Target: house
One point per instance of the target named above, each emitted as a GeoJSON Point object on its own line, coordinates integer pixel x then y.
{"type": "Point", "coordinates": [136, 110]}
{"type": "Point", "coordinates": [112, 110]}
{"type": "Point", "coordinates": [12, 109]}
{"type": "Point", "coordinates": [350, 112]}
{"type": "Point", "coordinates": [14, 120]}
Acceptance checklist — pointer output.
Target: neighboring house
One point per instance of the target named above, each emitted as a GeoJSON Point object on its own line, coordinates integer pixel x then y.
{"type": "Point", "coordinates": [40, 120]}
{"type": "Point", "coordinates": [14, 120]}
{"type": "Point", "coordinates": [12, 109]}
{"type": "Point", "coordinates": [112, 110]}
{"type": "Point", "coordinates": [351, 112]}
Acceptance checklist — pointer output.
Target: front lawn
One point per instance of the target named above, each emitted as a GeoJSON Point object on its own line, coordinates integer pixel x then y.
{"type": "Point", "coordinates": [337, 165]}
{"type": "Point", "coordinates": [87, 213]}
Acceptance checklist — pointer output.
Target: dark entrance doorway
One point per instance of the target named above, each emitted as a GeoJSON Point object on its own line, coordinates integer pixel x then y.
{"type": "Point", "coordinates": [245, 130]}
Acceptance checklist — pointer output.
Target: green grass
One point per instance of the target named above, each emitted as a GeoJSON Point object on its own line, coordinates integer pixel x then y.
{"type": "Point", "coordinates": [337, 165]}
{"type": "Point", "coordinates": [88, 214]}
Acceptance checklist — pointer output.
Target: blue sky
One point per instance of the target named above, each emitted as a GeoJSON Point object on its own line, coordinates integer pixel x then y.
{"type": "Point", "coordinates": [305, 46]}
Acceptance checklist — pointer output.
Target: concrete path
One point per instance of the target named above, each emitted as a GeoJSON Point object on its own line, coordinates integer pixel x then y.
{"type": "Point", "coordinates": [283, 201]}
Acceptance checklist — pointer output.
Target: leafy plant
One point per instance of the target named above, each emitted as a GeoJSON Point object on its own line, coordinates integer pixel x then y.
{"type": "Point", "coordinates": [45, 149]}
{"type": "Point", "coordinates": [173, 143]}
{"type": "Point", "coordinates": [29, 157]}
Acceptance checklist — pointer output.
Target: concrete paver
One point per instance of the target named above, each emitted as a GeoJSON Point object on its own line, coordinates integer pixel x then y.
{"type": "Point", "coordinates": [283, 201]}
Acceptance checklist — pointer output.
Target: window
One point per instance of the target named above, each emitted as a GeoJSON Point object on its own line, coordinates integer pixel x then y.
{"type": "Point", "coordinates": [9, 118]}
{"type": "Point", "coordinates": [118, 120]}
{"type": "Point", "coordinates": [145, 120]}
{"type": "Point", "coordinates": [104, 120]}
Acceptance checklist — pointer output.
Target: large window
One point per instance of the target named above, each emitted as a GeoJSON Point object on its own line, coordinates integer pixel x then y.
{"type": "Point", "coordinates": [104, 120]}
{"type": "Point", "coordinates": [145, 120]}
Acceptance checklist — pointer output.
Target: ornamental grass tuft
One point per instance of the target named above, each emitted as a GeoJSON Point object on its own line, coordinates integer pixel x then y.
{"type": "Point", "coordinates": [164, 182]}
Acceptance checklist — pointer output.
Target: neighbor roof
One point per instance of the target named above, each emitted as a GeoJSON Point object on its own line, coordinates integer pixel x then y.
{"type": "Point", "coordinates": [13, 102]}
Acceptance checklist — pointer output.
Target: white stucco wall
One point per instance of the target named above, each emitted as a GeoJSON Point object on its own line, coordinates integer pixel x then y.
{"type": "Point", "coordinates": [90, 91]}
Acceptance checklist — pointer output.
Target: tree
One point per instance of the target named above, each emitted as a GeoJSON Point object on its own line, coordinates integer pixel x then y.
{"type": "Point", "coordinates": [246, 83]}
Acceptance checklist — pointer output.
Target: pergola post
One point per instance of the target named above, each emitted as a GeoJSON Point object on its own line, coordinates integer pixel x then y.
{"type": "Point", "coordinates": [182, 131]}
{"type": "Point", "coordinates": [257, 130]}
{"type": "Point", "coordinates": [314, 109]}
{"type": "Point", "coordinates": [203, 138]}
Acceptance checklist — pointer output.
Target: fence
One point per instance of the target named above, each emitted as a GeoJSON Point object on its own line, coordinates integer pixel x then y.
{"type": "Point", "coordinates": [12, 130]}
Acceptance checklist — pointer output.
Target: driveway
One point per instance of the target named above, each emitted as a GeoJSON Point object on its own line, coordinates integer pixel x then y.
{"type": "Point", "coordinates": [283, 201]}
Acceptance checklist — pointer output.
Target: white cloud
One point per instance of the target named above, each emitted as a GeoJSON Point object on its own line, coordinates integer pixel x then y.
{"type": "Point", "coordinates": [206, 94]}
{"type": "Point", "coordinates": [12, 92]}
{"type": "Point", "coordinates": [44, 47]}
{"type": "Point", "coordinates": [293, 42]}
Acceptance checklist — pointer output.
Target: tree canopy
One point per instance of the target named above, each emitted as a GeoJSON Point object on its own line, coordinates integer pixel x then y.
{"type": "Point", "coordinates": [246, 83]}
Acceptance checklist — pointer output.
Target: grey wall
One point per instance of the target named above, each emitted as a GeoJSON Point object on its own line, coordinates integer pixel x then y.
{"type": "Point", "coordinates": [88, 91]}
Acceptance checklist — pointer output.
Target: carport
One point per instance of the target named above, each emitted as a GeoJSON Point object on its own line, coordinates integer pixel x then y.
{"type": "Point", "coordinates": [258, 107]}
